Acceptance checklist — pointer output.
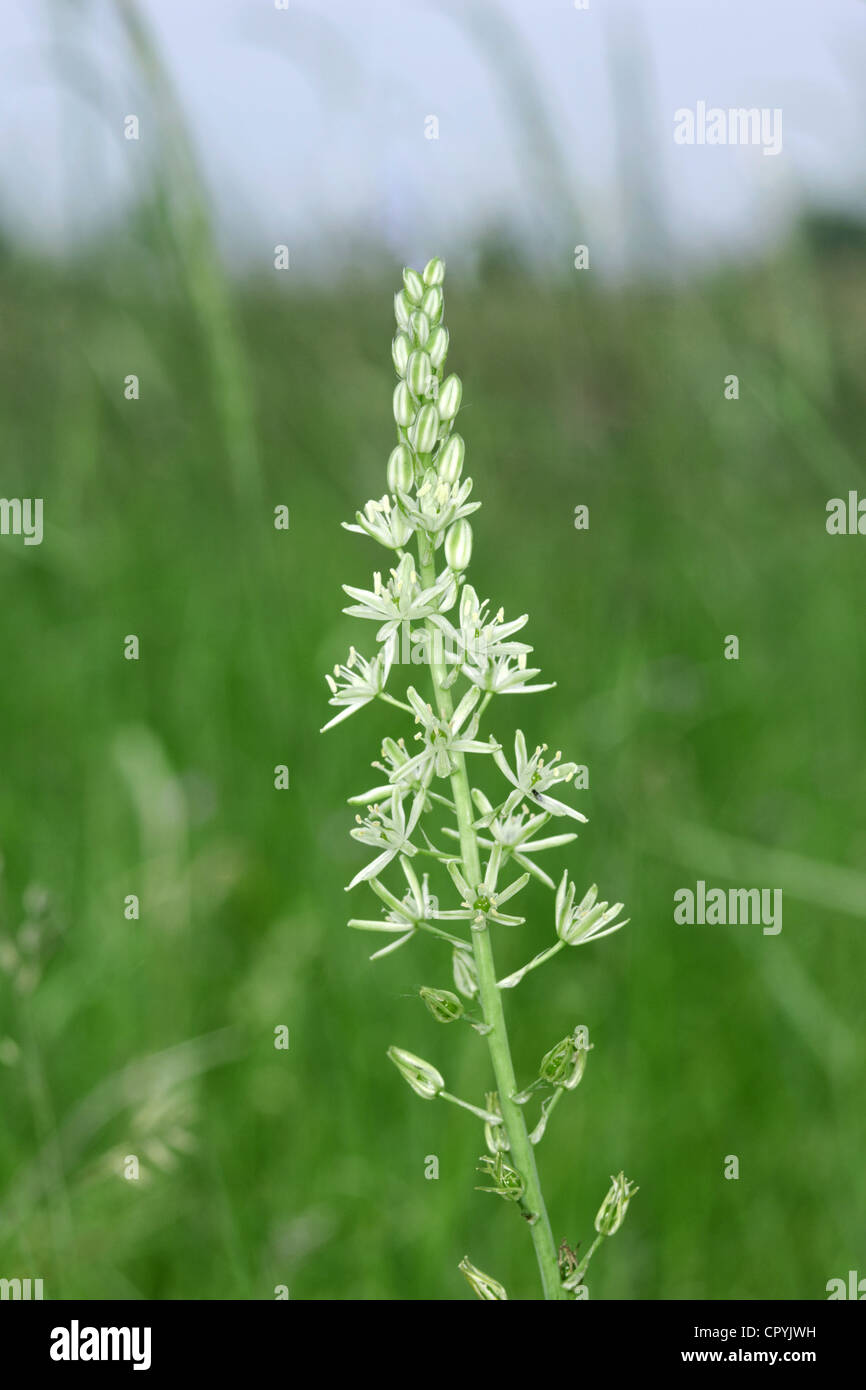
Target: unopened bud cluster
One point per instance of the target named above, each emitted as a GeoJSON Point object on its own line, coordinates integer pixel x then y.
{"type": "Point", "coordinates": [426, 402]}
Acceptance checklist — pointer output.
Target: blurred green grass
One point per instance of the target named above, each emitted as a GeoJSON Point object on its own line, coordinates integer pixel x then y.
{"type": "Point", "coordinates": [306, 1168]}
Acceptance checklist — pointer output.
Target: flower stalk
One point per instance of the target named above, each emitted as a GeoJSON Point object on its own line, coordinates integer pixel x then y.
{"type": "Point", "coordinates": [472, 659]}
{"type": "Point", "coordinates": [491, 1001]}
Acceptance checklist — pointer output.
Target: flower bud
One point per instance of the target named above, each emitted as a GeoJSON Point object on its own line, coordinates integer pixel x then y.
{"type": "Point", "coordinates": [425, 1080]}
{"type": "Point", "coordinates": [401, 469]}
{"type": "Point", "coordinates": [437, 346]}
{"type": "Point", "coordinates": [418, 372]}
{"type": "Point", "coordinates": [611, 1213]}
{"type": "Point", "coordinates": [449, 460]}
{"type": "Point", "coordinates": [450, 396]}
{"type": "Point", "coordinates": [425, 431]}
{"type": "Point", "coordinates": [400, 353]}
{"type": "Point", "coordinates": [414, 286]}
{"type": "Point", "coordinates": [443, 1005]}
{"type": "Point", "coordinates": [465, 972]}
{"type": "Point", "coordinates": [458, 544]}
{"type": "Point", "coordinates": [402, 309]}
{"type": "Point", "coordinates": [419, 327]}
{"type": "Point", "coordinates": [433, 303]}
{"type": "Point", "coordinates": [434, 271]}
{"type": "Point", "coordinates": [404, 406]}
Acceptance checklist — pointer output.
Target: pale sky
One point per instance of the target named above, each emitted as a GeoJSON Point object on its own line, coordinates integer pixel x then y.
{"type": "Point", "coordinates": [309, 122]}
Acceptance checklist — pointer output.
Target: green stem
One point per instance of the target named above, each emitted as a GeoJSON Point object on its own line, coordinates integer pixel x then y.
{"type": "Point", "coordinates": [486, 1115]}
{"type": "Point", "coordinates": [533, 965]}
{"type": "Point", "coordinates": [522, 1155]}
{"type": "Point", "coordinates": [584, 1264]}
{"type": "Point", "coordinates": [398, 704]}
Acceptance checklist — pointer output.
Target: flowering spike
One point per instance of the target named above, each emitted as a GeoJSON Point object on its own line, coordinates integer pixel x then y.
{"type": "Point", "coordinates": [423, 811]}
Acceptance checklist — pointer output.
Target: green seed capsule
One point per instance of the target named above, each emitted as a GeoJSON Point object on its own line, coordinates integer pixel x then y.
{"type": "Point", "coordinates": [424, 1079]}
{"type": "Point", "coordinates": [402, 309]}
{"type": "Point", "coordinates": [434, 271]}
{"type": "Point", "coordinates": [400, 353]}
{"type": "Point", "coordinates": [419, 370]}
{"type": "Point", "coordinates": [414, 286]}
{"type": "Point", "coordinates": [449, 460]}
{"type": "Point", "coordinates": [556, 1064]}
{"type": "Point", "coordinates": [443, 1005]}
{"type": "Point", "coordinates": [425, 430]}
{"type": "Point", "coordinates": [450, 397]}
{"type": "Point", "coordinates": [404, 406]}
{"type": "Point", "coordinates": [401, 470]}
{"type": "Point", "coordinates": [437, 346]}
{"type": "Point", "coordinates": [433, 304]}
{"type": "Point", "coordinates": [458, 545]}
{"type": "Point", "coordinates": [419, 327]}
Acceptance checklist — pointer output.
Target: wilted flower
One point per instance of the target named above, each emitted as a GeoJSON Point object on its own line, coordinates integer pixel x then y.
{"type": "Point", "coordinates": [481, 1284]}
{"type": "Point", "coordinates": [505, 1180]}
{"type": "Point", "coordinates": [611, 1213]}
{"type": "Point", "coordinates": [495, 1136]}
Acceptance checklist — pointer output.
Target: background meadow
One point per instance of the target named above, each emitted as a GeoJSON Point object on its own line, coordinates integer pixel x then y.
{"type": "Point", "coordinates": [155, 1037]}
